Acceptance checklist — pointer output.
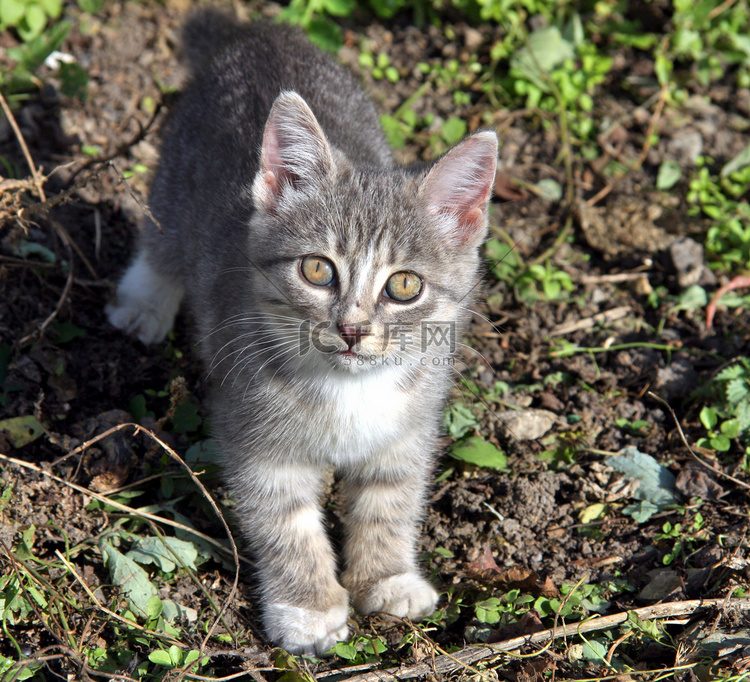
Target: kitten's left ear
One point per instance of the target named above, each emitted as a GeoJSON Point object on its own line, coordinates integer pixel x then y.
{"type": "Point", "coordinates": [295, 154]}
{"type": "Point", "coordinates": [457, 189]}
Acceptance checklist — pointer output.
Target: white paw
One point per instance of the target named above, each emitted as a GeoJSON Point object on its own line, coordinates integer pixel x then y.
{"type": "Point", "coordinates": [304, 631]}
{"type": "Point", "coordinates": [406, 595]}
{"type": "Point", "coordinates": [134, 317]}
{"type": "Point", "coordinates": [146, 304]}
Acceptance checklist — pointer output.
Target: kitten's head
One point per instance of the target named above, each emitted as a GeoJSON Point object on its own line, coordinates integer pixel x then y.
{"type": "Point", "coordinates": [365, 267]}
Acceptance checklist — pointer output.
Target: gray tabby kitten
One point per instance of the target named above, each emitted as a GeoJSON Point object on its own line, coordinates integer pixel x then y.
{"type": "Point", "coordinates": [326, 285]}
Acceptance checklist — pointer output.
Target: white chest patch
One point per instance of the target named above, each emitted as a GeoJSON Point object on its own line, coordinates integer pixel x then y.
{"type": "Point", "coordinates": [359, 415]}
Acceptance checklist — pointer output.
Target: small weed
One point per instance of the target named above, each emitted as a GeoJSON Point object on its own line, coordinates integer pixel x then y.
{"type": "Point", "coordinates": [174, 657]}
{"type": "Point", "coordinates": [361, 649]}
{"type": "Point", "coordinates": [682, 541]}
{"type": "Point", "coordinates": [638, 428]}
{"type": "Point", "coordinates": [503, 610]}
{"type": "Point", "coordinates": [458, 77]}
{"type": "Point", "coordinates": [727, 416]}
{"type": "Point", "coordinates": [722, 199]}
{"type": "Point", "coordinates": [379, 67]}
{"type": "Point", "coordinates": [562, 448]}
{"type": "Point", "coordinates": [530, 283]}
{"type": "Point", "coordinates": [458, 420]}
{"type": "Point", "coordinates": [28, 17]}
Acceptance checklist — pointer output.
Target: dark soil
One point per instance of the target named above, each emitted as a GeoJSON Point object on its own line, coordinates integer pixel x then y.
{"type": "Point", "coordinates": [81, 377]}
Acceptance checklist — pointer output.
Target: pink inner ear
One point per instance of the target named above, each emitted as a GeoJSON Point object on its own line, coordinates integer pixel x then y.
{"type": "Point", "coordinates": [295, 151]}
{"type": "Point", "coordinates": [459, 186]}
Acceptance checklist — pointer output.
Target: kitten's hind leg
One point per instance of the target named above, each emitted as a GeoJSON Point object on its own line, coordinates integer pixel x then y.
{"type": "Point", "coordinates": [385, 501]}
{"type": "Point", "coordinates": [147, 301]}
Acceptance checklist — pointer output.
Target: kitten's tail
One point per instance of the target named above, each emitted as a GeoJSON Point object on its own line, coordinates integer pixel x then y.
{"type": "Point", "coordinates": [205, 31]}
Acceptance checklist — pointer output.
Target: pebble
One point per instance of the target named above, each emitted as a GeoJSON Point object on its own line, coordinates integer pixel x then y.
{"type": "Point", "coordinates": [527, 424]}
{"type": "Point", "coordinates": [685, 147]}
{"type": "Point", "coordinates": [686, 255]}
{"type": "Point", "coordinates": [677, 380]}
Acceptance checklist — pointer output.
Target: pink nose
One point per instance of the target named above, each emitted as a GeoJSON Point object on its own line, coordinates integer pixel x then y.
{"type": "Point", "coordinates": [352, 333]}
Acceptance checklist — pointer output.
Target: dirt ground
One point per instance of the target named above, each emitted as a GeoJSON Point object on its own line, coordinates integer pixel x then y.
{"type": "Point", "coordinates": [80, 377]}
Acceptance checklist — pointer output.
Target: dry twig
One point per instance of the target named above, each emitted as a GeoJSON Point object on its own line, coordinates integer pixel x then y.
{"type": "Point", "coordinates": [443, 665]}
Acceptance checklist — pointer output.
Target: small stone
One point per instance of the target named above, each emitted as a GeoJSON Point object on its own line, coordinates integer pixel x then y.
{"type": "Point", "coordinates": [685, 147]}
{"type": "Point", "coordinates": [677, 380]}
{"type": "Point", "coordinates": [472, 39]}
{"type": "Point", "coordinates": [687, 257]}
{"type": "Point", "coordinates": [527, 424]}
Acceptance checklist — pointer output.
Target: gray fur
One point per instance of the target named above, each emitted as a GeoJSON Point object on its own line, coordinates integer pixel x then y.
{"type": "Point", "coordinates": [236, 215]}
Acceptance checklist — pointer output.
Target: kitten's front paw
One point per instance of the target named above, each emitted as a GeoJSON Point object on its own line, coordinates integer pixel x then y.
{"type": "Point", "coordinates": [304, 631]}
{"type": "Point", "coordinates": [136, 318]}
{"type": "Point", "coordinates": [147, 302]}
{"type": "Point", "coordinates": [406, 595]}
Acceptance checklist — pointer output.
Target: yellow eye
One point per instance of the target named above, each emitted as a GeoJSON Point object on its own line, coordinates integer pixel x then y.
{"type": "Point", "coordinates": [318, 271]}
{"type": "Point", "coordinates": [403, 286]}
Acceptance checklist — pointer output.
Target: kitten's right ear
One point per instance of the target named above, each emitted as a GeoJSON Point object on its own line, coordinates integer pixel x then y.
{"type": "Point", "coordinates": [295, 152]}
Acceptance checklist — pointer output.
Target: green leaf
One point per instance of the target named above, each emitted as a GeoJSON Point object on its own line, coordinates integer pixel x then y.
{"type": "Point", "coordinates": [545, 49]}
{"type": "Point", "coordinates": [392, 74]}
{"type": "Point", "coordinates": [693, 298]}
{"type": "Point", "coordinates": [641, 511]}
{"type": "Point", "coordinates": [731, 428]}
{"type": "Point", "coordinates": [458, 420]}
{"type": "Point", "coordinates": [163, 552]}
{"type": "Point", "coordinates": [708, 417]}
{"type": "Point", "coordinates": [720, 443]}
{"type": "Point", "coordinates": [25, 248]}
{"type": "Point", "coordinates": [138, 407]}
{"type": "Point", "coordinates": [593, 512]}
{"type": "Point", "coordinates": [550, 189]}
{"type": "Point", "coordinates": [21, 431]}
{"type": "Point", "coordinates": [325, 34]}
{"type": "Point", "coordinates": [11, 12]}
{"type": "Point", "coordinates": [593, 650]}
{"type": "Point", "coordinates": [573, 32]}
{"type": "Point", "coordinates": [737, 390]}
{"type": "Point", "coordinates": [172, 611]}
{"type": "Point", "coordinates": [393, 130]}
{"type": "Point", "coordinates": [345, 650]}
{"type": "Point", "coordinates": [154, 608]}
{"type": "Point", "coordinates": [186, 418]}
{"type": "Point", "coordinates": [75, 81]}
{"type": "Point", "coordinates": [453, 130]}
{"type": "Point", "coordinates": [737, 163]}
{"type": "Point", "coordinates": [663, 68]}
{"type": "Point", "coordinates": [132, 580]}
{"type": "Point", "coordinates": [91, 6]}
{"type": "Point", "coordinates": [476, 450]}
{"type": "Point", "coordinates": [656, 483]}
{"type": "Point", "coordinates": [175, 654]}
{"type": "Point", "coordinates": [67, 331]}
{"type": "Point", "coordinates": [339, 8]}
{"type": "Point", "coordinates": [33, 22]}
{"type": "Point", "coordinates": [669, 175]}
{"type": "Point", "coordinates": [160, 658]}
{"type": "Point", "coordinates": [203, 452]}
{"type": "Point", "coordinates": [53, 8]}
{"type": "Point", "coordinates": [191, 656]}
